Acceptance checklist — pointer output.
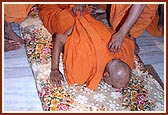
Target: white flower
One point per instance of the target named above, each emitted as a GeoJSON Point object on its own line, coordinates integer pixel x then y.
{"type": "Point", "coordinates": [35, 66]}
{"type": "Point", "coordinates": [81, 99]}
{"type": "Point", "coordinates": [116, 95]}
{"type": "Point", "coordinates": [99, 97]}
{"type": "Point", "coordinates": [112, 106]}
{"type": "Point", "coordinates": [158, 95]}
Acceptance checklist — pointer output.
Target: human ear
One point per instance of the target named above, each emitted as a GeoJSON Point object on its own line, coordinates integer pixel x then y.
{"type": "Point", "coordinates": [106, 74]}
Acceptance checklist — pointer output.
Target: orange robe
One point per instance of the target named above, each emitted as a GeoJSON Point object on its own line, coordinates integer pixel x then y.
{"type": "Point", "coordinates": [153, 27]}
{"type": "Point", "coordinates": [147, 19]}
{"type": "Point", "coordinates": [103, 6]}
{"type": "Point", "coordinates": [56, 18]}
{"type": "Point", "coordinates": [16, 12]}
{"type": "Point", "coordinates": [85, 52]}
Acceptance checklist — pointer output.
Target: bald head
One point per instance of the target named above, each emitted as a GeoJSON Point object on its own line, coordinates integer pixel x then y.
{"type": "Point", "coordinates": [117, 73]}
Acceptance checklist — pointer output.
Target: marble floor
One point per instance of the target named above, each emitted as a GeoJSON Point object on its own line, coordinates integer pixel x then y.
{"type": "Point", "coordinates": [153, 51]}
{"type": "Point", "coordinates": [19, 90]}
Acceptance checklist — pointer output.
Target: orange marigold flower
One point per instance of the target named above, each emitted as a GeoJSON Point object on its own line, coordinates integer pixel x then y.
{"type": "Point", "coordinates": [132, 107]}
{"type": "Point", "coordinates": [54, 108]}
{"type": "Point", "coordinates": [57, 94]}
{"type": "Point", "coordinates": [134, 94]}
{"type": "Point", "coordinates": [55, 102]}
{"type": "Point", "coordinates": [39, 47]}
{"type": "Point", "coordinates": [141, 107]}
{"type": "Point", "coordinates": [134, 99]}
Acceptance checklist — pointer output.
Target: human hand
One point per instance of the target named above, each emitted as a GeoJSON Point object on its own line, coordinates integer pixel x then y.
{"type": "Point", "coordinates": [92, 9]}
{"type": "Point", "coordinates": [115, 43]}
{"type": "Point", "coordinates": [96, 11]}
{"type": "Point", "coordinates": [56, 77]}
{"type": "Point", "coordinates": [78, 7]}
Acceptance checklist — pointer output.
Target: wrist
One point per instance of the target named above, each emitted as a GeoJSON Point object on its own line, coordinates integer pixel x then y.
{"type": "Point", "coordinates": [123, 31]}
{"type": "Point", "coordinates": [54, 69]}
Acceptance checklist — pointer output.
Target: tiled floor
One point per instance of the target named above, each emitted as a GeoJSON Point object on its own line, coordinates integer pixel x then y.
{"type": "Point", "coordinates": [20, 92]}
{"type": "Point", "coordinates": [152, 51]}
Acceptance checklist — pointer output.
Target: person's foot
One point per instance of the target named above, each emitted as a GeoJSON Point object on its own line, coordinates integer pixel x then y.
{"type": "Point", "coordinates": [11, 45]}
{"type": "Point", "coordinates": [11, 40]}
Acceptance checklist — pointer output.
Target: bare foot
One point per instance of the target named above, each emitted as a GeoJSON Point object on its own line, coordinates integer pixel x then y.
{"type": "Point", "coordinates": [11, 40]}
{"type": "Point", "coordinates": [11, 45]}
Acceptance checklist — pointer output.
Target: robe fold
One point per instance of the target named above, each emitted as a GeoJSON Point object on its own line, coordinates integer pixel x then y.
{"type": "Point", "coordinates": [153, 28]}
{"type": "Point", "coordinates": [57, 18]}
{"type": "Point", "coordinates": [146, 19]}
{"type": "Point", "coordinates": [16, 12]}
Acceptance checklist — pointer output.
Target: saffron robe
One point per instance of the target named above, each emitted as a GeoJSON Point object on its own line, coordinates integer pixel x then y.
{"type": "Point", "coordinates": [148, 20]}
{"type": "Point", "coordinates": [16, 12]}
{"type": "Point", "coordinates": [85, 52]}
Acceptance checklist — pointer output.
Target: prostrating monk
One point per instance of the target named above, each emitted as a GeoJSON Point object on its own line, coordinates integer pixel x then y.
{"type": "Point", "coordinates": [85, 52]}
{"type": "Point", "coordinates": [14, 13]}
{"type": "Point", "coordinates": [132, 19]}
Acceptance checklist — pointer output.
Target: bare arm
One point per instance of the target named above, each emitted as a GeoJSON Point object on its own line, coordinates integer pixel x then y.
{"type": "Point", "coordinates": [133, 16]}
{"type": "Point", "coordinates": [117, 39]}
{"type": "Point", "coordinates": [58, 43]}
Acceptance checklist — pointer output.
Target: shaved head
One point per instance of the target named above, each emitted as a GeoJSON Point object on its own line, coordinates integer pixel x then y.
{"type": "Point", "coordinates": [118, 73]}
